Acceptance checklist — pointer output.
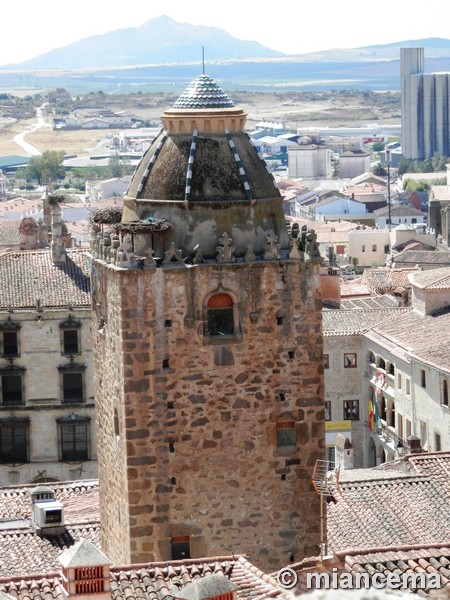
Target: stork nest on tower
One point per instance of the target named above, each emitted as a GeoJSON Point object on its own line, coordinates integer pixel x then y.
{"type": "Point", "coordinates": [148, 225]}
{"type": "Point", "coordinates": [106, 216]}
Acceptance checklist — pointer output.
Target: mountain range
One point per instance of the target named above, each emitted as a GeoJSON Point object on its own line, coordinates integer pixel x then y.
{"type": "Point", "coordinates": [164, 55]}
{"type": "Point", "coordinates": [165, 41]}
{"type": "Point", "coordinates": [160, 40]}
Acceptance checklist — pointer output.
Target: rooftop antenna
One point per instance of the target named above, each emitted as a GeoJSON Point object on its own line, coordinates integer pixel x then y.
{"type": "Point", "coordinates": [203, 60]}
{"type": "Point", "coordinates": [325, 479]}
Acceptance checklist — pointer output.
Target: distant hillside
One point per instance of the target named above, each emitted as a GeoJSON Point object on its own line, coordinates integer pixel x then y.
{"type": "Point", "coordinates": [160, 40]}
{"type": "Point", "coordinates": [434, 48]}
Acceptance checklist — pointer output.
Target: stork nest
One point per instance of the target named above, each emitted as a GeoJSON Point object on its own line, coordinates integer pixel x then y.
{"type": "Point", "coordinates": [149, 225]}
{"type": "Point", "coordinates": [106, 216]}
{"type": "Point", "coordinates": [55, 199]}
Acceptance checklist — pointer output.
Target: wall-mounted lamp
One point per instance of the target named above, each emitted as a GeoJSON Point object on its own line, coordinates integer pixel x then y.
{"type": "Point", "coordinates": [400, 448]}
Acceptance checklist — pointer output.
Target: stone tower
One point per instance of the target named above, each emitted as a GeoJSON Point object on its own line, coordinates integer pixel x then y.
{"type": "Point", "coordinates": [208, 352]}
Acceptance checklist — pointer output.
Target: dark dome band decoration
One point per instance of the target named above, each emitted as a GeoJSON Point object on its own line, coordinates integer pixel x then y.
{"type": "Point", "coordinates": [187, 191]}
{"type": "Point", "coordinates": [242, 173]}
{"type": "Point", "coordinates": [152, 160]}
{"type": "Point", "coordinates": [203, 93]}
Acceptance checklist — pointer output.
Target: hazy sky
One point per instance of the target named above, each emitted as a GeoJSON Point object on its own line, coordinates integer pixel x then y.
{"type": "Point", "coordinates": [32, 27]}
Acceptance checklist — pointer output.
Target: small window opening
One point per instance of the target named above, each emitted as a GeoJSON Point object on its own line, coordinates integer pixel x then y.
{"type": "Point", "coordinates": [423, 380]}
{"type": "Point", "coordinates": [116, 423]}
{"type": "Point", "coordinates": [168, 323]}
{"type": "Point", "coordinates": [171, 447]}
{"type": "Point", "coordinates": [72, 387]}
{"type": "Point", "coordinates": [181, 548]}
{"type": "Point", "coordinates": [10, 343]}
{"type": "Point", "coordinates": [280, 320]}
{"type": "Point", "coordinates": [70, 341]}
{"type": "Point", "coordinates": [173, 480]}
{"type": "Point", "coordinates": [282, 396]}
{"type": "Point", "coordinates": [170, 405]}
{"type": "Point", "coordinates": [291, 353]}
{"type": "Point", "coordinates": [165, 364]}
{"type": "Point", "coordinates": [12, 389]}
{"type": "Point", "coordinates": [283, 477]}
{"type": "Point", "coordinates": [285, 434]}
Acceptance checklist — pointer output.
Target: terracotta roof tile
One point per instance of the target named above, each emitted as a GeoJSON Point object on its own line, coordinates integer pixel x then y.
{"type": "Point", "coordinates": [28, 276]}
{"type": "Point", "coordinates": [419, 335]}
{"type": "Point", "coordinates": [80, 499]}
{"type": "Point", "coordinates": [371, 512]}
{"type": "Point", "coordinates": [356, 321]}
{"type": "Point", "coordinates": [422, 257]}
{"type": "Point", "coordinates": [385, 280]}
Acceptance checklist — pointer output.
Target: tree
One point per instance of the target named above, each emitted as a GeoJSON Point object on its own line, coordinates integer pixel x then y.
{"type": "Point", "coordinates": [411, 185]}
{"type": "Point", "coordinates": [379, 170]}
{"type": "Point", "coordinates": [405, 166]}
{"type": "Point", "coordinates": [426, 166]}
{"type": "Point", "coordinates": [46, 167]}
{"type": "Point", "coordinates": [378, 146]}
{"type": "Point", "coordinates": [118, 166]}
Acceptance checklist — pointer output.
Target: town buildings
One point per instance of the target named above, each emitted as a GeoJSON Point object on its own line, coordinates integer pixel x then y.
{"type": "Point", "coordinates": [47, 430]}
{"type": "Point", "coordinates": [207, 352]}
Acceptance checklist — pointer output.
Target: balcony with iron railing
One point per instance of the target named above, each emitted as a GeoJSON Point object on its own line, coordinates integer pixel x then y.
{"type": "Point", "coordinates": [390, 439]}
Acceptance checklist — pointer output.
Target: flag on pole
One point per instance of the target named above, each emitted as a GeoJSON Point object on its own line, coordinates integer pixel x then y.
{"type": "Point", "coordinates": [376, 414]}
{"type": "Point", "coordinates": [371, 415]}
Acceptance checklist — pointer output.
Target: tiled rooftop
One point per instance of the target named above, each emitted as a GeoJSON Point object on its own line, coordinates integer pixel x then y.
{"type": "Point", "coordinates": [80, 499]}
{"type": "Point", "coordinates": [422, 257]}
{"type": "Point", "coordinates": [29, 276]}
{"type": "Point", "coordinates": [404, 559]}
{"type": "Point", "coordinates": [419, 335]}
{"type": "Point", "coordinates": [9, 233]}
{"type": "Point", "coordinates": [385, 280]}
{"type": "Point", "coordinates": [21, 550]}
{"type": "Point", "coordinates": [154, 581]}
{"type": "Point", "coordinates": [29, 563]}
{"type": "Point", "coordinates": [433, 279]}
{"type": "Point", "coordinates": [388, 508]}
{"type": "Point", "coordinates": [369, 302]}
{"type": "Point", "coordinates": [203, 93]}
{"type": "Point", "coordinates": [339, 321]}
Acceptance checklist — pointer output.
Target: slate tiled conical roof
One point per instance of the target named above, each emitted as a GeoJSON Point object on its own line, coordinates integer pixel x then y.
{"type": "Point", "coordinates": [203, 93]}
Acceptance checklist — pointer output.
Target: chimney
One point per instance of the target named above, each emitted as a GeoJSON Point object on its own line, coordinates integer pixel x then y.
{"type": "Point", "coordinates": [28, 234]}
{"type": "Point", "coordinates": [57, 245]}
{"type": "Point", "coordinates": [414, 444]}
{"type": "Point", "coordinates": [85, 572]}
{"type": "Point", "coordinates": [211, 587]}
{"type": "Point", "coordinates": [46, 205]}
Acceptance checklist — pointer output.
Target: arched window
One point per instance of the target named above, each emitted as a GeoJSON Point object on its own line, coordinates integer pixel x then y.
{"type": "Point", "coordinates": [383, 408]}
{"type": "Point", "coordinates": [220, 315]}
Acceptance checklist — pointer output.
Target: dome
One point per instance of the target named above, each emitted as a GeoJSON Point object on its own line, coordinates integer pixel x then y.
{"type": "Point", "coordinates": [203, 93]}
{"type": "Point", "coordinates": [203, 174]}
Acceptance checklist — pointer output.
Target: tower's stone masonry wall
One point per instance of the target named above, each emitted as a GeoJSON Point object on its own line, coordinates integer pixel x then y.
{"type": "Point", "coordinates": [187, 423]}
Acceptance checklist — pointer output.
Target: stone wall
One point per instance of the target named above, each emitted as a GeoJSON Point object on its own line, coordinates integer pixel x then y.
{"type": "Point", "coordinates": [187, 422]}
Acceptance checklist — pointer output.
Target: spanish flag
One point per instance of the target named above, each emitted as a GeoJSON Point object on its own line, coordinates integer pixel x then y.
{"type": "Point", "coordinates": [371, 415]}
